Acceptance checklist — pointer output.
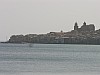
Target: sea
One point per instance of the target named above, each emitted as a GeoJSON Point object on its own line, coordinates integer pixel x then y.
{"type": "Point", "coordinates": [49, 59]}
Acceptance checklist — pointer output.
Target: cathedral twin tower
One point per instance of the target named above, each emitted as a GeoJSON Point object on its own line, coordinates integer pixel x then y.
{"type": "Point", "coordinates": [84, 27]}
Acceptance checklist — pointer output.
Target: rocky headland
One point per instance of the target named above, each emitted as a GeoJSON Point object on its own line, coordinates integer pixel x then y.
{"type": "Point", "coordinates": [86, 34]}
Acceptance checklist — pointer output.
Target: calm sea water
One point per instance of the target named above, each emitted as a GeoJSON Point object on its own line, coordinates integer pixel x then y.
{"type": "Point", "coordinates": [49, 58]}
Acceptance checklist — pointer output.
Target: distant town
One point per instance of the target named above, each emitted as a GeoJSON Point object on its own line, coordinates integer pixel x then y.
{"type": "Point", "coordinates": [86, 34]}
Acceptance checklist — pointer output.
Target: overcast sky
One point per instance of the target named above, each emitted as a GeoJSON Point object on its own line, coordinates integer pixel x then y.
{"type": "Point", "coordinates": [43, 16]}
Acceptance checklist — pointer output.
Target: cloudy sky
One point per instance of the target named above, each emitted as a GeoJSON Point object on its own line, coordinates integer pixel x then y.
{"type": "Point", "coordinates": [43, 16]}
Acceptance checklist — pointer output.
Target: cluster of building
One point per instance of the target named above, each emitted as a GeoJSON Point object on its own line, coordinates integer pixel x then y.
{"type": "Point", "coordinates": [86, 34]}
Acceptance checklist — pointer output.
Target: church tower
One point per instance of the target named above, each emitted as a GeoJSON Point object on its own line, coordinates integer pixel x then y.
{"type": "Point", "coordinates": [84, 24]}
{"type": "Point", "coordinates": [76, 26]}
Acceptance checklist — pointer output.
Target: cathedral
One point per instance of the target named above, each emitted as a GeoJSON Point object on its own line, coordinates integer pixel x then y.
{"type": "Point", "coordinates": [84, 27]}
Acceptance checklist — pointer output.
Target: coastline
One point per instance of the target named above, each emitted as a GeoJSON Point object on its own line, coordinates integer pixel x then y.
{"type": "Point", "coordinates": [49, 43]}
